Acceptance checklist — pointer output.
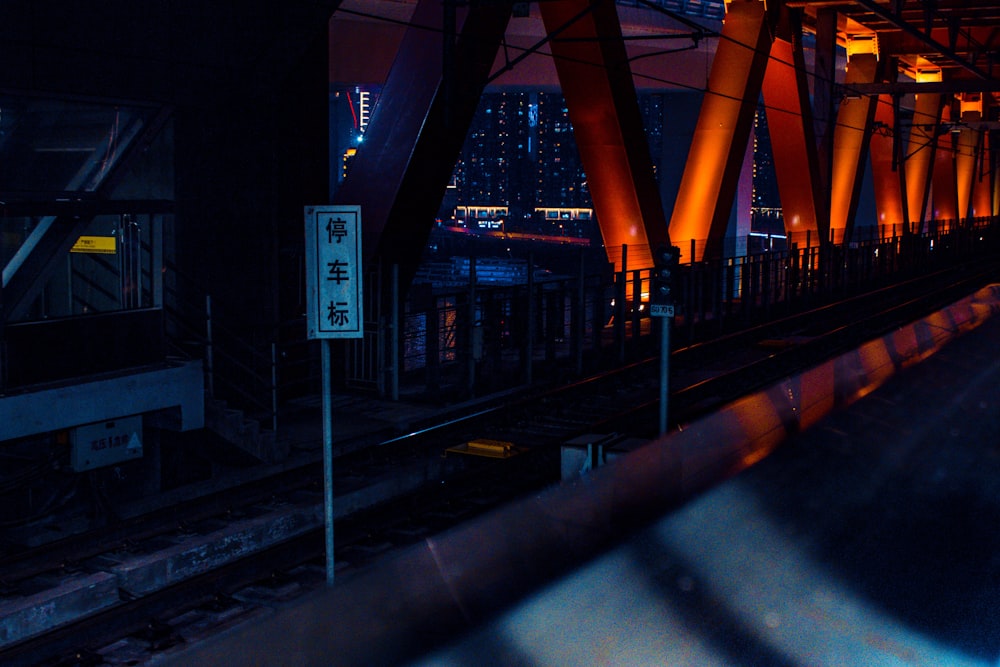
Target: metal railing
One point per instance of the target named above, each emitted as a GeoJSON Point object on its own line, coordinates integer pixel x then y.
{"type": "Point", "coordinates": [460, 342]}
{"type": "Point", "coordinates": [485, 338]}
{"type": "Point", "coordinates": [239, 371]}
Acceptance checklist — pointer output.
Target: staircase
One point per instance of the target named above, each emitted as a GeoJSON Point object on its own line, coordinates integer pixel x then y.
{"type": "Point", "coordinates": [234, 368]}
{"type": "Point", "coordinates": [233, 426]}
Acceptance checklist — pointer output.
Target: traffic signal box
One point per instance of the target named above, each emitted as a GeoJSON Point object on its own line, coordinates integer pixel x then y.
{"type": "Point", "coordinates": [665, 262]}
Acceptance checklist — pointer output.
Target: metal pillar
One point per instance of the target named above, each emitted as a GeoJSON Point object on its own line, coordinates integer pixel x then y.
{"type": "Point", "coordinates": [824, 80]}
{"type": "Point", "coordinates": [712, 173]}
{"type": "Point", "coordinates": [966, 150]}
{"type": "Point", "coordinates": [982, 187]}
{"type": "Point", "coordinates": [850, 146]}
{"type": "Point", "coordinates": [887, 174]}
{"type": "Point", "coordinates": [26, 274]}
{"type": "Point", "coordinates": [994, 156]}
{"type": "Point", "coordinates": [945, 190]}
{"type": "Point", "coordinates": [596, 81]}
{"type": "Point", "coordinates": [920, 156]}
{"type": "Point", "coordinates": [327, 457]}
{"type": "Point", "coordinates": [790, 122]}
{"type": "Point", "coordinates": [414, 137]}
{"type": "Point", "coordinates": [664, 374]}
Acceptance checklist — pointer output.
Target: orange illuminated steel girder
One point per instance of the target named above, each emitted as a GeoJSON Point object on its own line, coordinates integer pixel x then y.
{"type": "Point", "coordinates": [920, 152]}
{"type": "Point", "coordinates": [790, 124]}
{"type": "Point", "coordinates": [850, 143]}
{"type": "Point", "coordinates": [967, 150]}
{"type": "Point", "coordinates": [596, 81]}
{"type": "Point", "coordinates": [886, 174]}
{"type": "Point", "coordinates": [982, 186]}
{"type": "Point", "coordinates": [944, 192]}
{"type": "Point", "coordinates": [416, 132]}
{"type": "Point", "coordinates": [715, 159]}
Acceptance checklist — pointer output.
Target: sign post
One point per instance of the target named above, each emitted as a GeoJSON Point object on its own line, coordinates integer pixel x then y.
{"type": "Point", "coordinates": [334, 309]}
{"type": "Point", "coordinates": [661, 293]}
{"type": "Point", "coordinates": [665, 313]}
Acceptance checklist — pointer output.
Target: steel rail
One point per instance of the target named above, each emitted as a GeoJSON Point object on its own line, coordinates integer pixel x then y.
{"type": "Point", "coordinates": [131, 615]}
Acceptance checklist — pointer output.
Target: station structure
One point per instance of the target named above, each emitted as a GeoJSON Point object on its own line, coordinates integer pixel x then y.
{"type": "Point", "coordinates": [156, 159]}
{"type": "Point", "coordinates": [195, 134]}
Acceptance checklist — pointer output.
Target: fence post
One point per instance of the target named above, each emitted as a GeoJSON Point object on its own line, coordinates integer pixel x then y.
{"type": "Point", "coordinates": [3, 344]}
{"type": "Point", "coordinates": [432, 345]}
{"type": "Point", "coordinates": [620, 309]}
{"type": "Point", "coordinates": [472, 326]}
{"type": "Point", "coordinates": [274, 387]}
{"type": "Point", "coordinates": [529, 337]}
{"type": "Point", "coordinates": [636, 301]}
{"type": "Point", "coordinates": [156, 261]}
{"type": "Point", "coordinates": [209, 360]}
{"type": "Point", "coordinates": [581, 313]}
{"type": "Point", "coordinates": [394, 338]}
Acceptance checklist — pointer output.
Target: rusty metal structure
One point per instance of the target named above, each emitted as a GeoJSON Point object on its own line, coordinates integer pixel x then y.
{"type": "Point", "coordinates": [191, 134]}
{"type": "Point", "coordinates": [901, 86]}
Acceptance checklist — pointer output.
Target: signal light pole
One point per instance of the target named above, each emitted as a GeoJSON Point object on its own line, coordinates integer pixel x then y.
{"type": "Point", "coordinates": [665, 262]}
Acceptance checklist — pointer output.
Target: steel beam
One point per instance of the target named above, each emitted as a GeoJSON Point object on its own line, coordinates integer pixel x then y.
{"type": "Point", "coordinates": [995, 171]}
{"type": "Point", "coordinates": [982, 190]}
{"type": "Point", "coordinates": [26, 274]}
{"type": "Point", "coordinates": [414, 137]}
{"type": "Point", "coordinates": [944, 185]}
{"type": "Point", "coordinates": [790, 124]}
{"type": "Point", "coordinates": [920, 154]}
{"type": "Point", "coordinates": [966, 150]}
{"type": "Point", "coordinates": [887, 173]}
{"type": "Point", "coordinates": [596, 81]}
{"type": "Point", "coordinates": [850, 148]}
{"type": "Point", "coordinates": [824, 108]}
{"type": "Point", "coordinates": [14, 206]}
{"type": "Point", "coordinates": [928, 39]}
{"type": "Point", "coordinates": [921, 87]}
{"type": "Point", "coordinates": [177, 387]}
{"type": "Point", "coordinates": [712, 172]}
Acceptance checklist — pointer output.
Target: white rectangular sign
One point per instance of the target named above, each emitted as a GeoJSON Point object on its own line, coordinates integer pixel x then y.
{"type": "Point", "coordinates": [661, 310]}
{"type": "Point", "coordinates": [333, 272]}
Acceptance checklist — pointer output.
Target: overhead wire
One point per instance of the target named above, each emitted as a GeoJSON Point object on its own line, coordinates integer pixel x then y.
{"type": "Point", "coordinates": [701, 32]}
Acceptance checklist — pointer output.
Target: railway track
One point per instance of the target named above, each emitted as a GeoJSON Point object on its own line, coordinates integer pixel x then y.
{"type": "Point", "coordinates": [706, 375]}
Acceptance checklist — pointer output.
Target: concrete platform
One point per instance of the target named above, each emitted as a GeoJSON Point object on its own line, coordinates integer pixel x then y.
{"type": "Point", "coordinates": [70, 599]}
{"type": "Point", "coordinates": [189, 555]}
{"type": "Point", "coordinates": [868, 539]}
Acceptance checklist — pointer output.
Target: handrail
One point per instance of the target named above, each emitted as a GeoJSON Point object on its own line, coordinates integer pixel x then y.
{"type": "Point", "coordinates": [259, 374]}
{"type": "Point", "coordinates": [233, 364]}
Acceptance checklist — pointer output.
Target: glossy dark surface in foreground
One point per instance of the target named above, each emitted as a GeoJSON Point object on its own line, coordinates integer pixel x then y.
{"type": "Point", "coordinates": [869, 539]}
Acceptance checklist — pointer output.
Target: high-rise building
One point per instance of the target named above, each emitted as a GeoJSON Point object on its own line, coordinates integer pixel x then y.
{"type": "Point", "coordinates": [350, 111]}
{"type": "Point", "coordinates": [766, 206]}
{"type": "Point", "coordinates": [520, 157]}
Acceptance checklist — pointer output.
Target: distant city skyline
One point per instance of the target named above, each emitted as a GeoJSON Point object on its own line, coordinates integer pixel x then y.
{"type": "Point", "coordinates": [520, 157]}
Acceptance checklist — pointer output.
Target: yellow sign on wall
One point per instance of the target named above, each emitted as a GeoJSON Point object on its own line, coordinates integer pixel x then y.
{"type": "Point", "coordinates": [97, 245]}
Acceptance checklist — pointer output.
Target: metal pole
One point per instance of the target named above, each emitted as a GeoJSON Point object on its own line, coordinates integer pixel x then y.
{"type": "Point", "coordinates": [472, 326]}
{"type": "Point", "coordinates": [620, 309]}
{"type": "Point", "coordinates": [664, 372]}
{"type": "Point", "coordinates": [581, 307]}
{"type": "Point", "coordinates": [156, 262]}
{"type": "Point", "coordinates": [274, 387]}
{"type": "Point", "coordinates": [209, 362]}
{"type": "Point", "coordinates": [529, 339]}
{"type": "Point", "coordinates": [327, 458]}
{"type": "Point", "coordinates": [3, 342]}
{"type": "Point", "coordinates": [394, 354]}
